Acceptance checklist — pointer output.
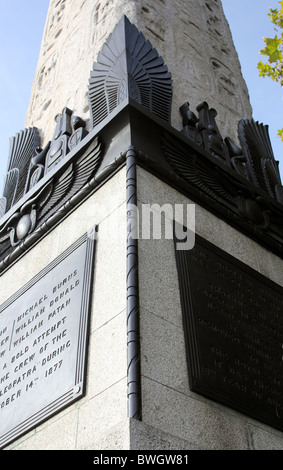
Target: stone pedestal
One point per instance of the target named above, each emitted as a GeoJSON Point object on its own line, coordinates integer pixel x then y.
{"type": "Point", "coordinates": [126, 171]}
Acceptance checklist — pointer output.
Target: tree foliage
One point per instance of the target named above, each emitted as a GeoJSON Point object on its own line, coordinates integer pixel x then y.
{"type": "Point", "coordinates": [274, 51]}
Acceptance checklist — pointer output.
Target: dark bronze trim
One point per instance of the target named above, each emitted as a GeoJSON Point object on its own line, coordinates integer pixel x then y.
{"type": "Point", "coordinates": [133, 326]}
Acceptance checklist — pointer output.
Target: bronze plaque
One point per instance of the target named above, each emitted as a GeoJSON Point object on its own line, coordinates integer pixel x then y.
{"type": "Point", "coordinates": [43, 339]}
{"type": "Point", "coordinates": [233, 322]}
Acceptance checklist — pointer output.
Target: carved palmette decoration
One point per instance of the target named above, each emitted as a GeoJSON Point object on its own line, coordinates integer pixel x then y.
{"type": "Point", "coordinates": [129, 67]}
{"type": "Point", "coordinates": [22, 149]}
{"type": "Point", "coordinates": [262, 168]}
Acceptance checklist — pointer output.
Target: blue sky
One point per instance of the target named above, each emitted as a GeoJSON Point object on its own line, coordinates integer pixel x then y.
{"type": "Point", "coordinates": [249, 23]}
{"type": "Point", "coordinates": [21, 28]}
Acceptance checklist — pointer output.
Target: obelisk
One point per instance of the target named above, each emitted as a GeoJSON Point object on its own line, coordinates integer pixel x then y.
{"type": "Point", "coordinates": [141, 242]}
{"type": "Point", "coordinates": [192, 36]}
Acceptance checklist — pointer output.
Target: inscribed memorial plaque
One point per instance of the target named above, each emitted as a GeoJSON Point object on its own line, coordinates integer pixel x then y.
{"type": "Point", "coordinates": [233, 322]}
{"type": "Point", "coordinates": [43, 338]}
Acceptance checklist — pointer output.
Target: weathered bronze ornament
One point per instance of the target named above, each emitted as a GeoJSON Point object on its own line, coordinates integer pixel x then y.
{"type": "Point", "coordinates": [129, 67]}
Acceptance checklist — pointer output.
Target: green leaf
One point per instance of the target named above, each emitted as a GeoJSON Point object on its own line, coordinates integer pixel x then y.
{"type": "Point", "coordinates": [276, 17]}
{"type": "Point", "coordinates": [271, 50]}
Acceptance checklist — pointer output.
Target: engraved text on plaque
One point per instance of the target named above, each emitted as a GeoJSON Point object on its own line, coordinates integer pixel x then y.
{"type": "Point", "coordinates": [233, 322]}
{"type": "Point", "coordinates": [43, 336]}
